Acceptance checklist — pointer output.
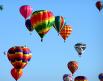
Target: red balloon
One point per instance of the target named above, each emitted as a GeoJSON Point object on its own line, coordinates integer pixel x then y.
{"type": "Point", "coordinates": [26, 11]}
{"type": "Point", "coordinates": [99, 5]}
{"type": "Point", "coordinates": [16, 73]}
{"type": "Point", "coordinates": [72, 66]}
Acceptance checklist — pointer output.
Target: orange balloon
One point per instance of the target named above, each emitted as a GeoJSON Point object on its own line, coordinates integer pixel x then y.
{"type": "Point", "coordinates": [66, 31]}
{"type": "Point", "coordinates": [16, 73]}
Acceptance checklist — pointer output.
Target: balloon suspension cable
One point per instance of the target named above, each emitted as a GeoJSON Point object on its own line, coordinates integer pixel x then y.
{"type": "Point", "coordinates": [30, 33]}
{"type": "Point", "coordinates": [25, 45]}
{"type": "Point", "coordinates": [41, 39]}
{"type": "Point", "coordinates": [64, 41]}
{"type": "Point", "coordinates": [72, 74]}
{"type": "Point", "coordinates": [79, 55]}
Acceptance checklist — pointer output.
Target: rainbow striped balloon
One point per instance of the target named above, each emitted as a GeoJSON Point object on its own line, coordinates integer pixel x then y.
{"type": "Point", "coordinates": [19, 56]}
{"type": "Point", "coordinates": [42, 21]}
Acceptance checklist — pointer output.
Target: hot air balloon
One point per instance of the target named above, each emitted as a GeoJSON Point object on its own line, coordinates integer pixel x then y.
{"type": "Point", "coordinates": [1, 7]}
{"type": "Point", "coordinates": [67, 77]}
{"type": "Point", "coordinates": [80, 48]}
{"type": "Point", "coordinates": [100, 76]}
{"type": "Point", "coordinates": [80, 78]}
{"type": "Point", "coordinates": [26, 11]}
{"type": "Point", "coordinates": [28, 25]}
{"type": "Point", "coordinates": [42, 21]}
{"type": "Point", "coordinates": [72, 66]}
{"type": "Point", "coordinates": [59, 23]}
{"type": "Point", "coordinates": [19, 56]}
{"type": "Point", "coordinates": [99, 5]}
{"type": "Point", "coordinates": [65, 32]}
{"type": "Point", "coordinates": [16, 73]}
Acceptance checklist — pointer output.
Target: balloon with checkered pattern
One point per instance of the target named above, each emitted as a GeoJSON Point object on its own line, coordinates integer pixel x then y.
{"type": "Point", "coordinates": [65, 32]}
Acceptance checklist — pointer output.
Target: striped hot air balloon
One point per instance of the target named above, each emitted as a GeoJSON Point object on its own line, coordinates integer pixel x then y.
{"type": "Point", "coordinates": [65, 32]}
{"type": "Point", "coordinates": [59, 23]}
{"type": "Point", "coordinates": [19, 56]}
{"type": "Point", "coordinates": [42, 21]}
{"type": "Point", "coordinates": [72, 66]}
{"type": "Point", "coordinates": [80, 78]}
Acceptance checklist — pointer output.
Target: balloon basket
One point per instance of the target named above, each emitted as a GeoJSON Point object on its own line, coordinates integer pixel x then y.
{"type": "Point", "coordinates": [41, 39]}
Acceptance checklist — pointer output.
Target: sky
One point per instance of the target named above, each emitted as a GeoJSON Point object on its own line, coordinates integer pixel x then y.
{"type": "Point", "coordinates": [50, 57]}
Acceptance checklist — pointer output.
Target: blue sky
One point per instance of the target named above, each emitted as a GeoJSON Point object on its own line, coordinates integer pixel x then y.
{"type": "Point", "coordinates": [50, 57]}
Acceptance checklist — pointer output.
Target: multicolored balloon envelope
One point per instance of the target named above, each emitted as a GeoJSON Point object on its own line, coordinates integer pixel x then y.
{"type": "Point", "coordinates": [80, 78]}
{"type": "Point", "coordinates": [26, 11]}
{"type": "Point", "coordinates": [67, 77]}
{"type": "Point", "coordinates": [80, 48]}
{"type": "Point", "coordinates": [16, 73]}
{"type": "Point", "coordinates": [66, 31]}
{"type": "Point", "coordinates": [42, 21]}
{"type": "Point", "coordinates": [99, 5]}
{"type": "Point", "coordinates": [19, 56]}
{"type": "Point", "coordinates": [28, 25]}
{"type": "Point", "coordinates": [72, 66]}
{"type": "Point", "coordinates": [100, 76]}
{"type": "Point", "coordinates": [59, 23]}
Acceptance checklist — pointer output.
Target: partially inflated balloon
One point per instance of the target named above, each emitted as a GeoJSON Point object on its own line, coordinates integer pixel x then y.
{"type": "Point", "coordinates": [80, 48]}
{"type": "Point", "coordinates": [80, 78]}
{"type": "Point", "coordinates": [16, 73]}
{"type": "Point", "coordinates": [42, 21]}
{"type": "Point", "coordinates": [19, 56]}
{"type": "Point", "coordinates": [59, 23]}
{"type": "Point", "coordinates": [26, 11]}
{"type": "Point", "coordinates": [66, 31]}
{"type": "Point", "coordinates": [72, 66]}
{"type": "Point", "coordinates": [67, 77]}
{"type": "Point", "coordinates": [99, 5]}
{"type": "Point", "coordinates": [28, 25]}
{"type": "Point", "coordinates": [100, 76]}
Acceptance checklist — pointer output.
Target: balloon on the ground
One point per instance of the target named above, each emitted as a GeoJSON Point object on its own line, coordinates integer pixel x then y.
{"type": "Point", "coordinates": [42, 21]}
{"type": "Point", "coordinates": [19, 56]}
{"type": "Point", "coordinates": [16, 73]}
{"type": "Point", "coordinates": [26, 11]}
